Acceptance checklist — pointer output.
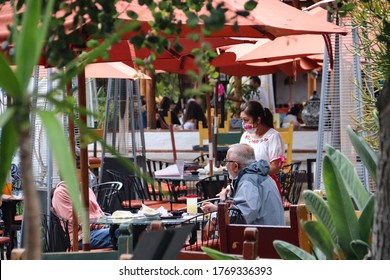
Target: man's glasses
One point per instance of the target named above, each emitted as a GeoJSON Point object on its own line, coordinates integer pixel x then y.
{"type": "Point", "coordinates": [226, 161]}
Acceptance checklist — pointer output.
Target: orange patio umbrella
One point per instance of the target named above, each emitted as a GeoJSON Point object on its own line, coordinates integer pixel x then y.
{"type": "Point", "coordinates": [270, 19]}
{"type": "Point", "coordinates": [116, 70]}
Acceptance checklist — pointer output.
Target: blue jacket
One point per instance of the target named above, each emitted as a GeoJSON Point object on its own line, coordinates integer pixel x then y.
{"type": "Point", "coordinates": [257, 196]}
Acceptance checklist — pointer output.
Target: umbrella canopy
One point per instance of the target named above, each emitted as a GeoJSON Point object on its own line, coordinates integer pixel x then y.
{"type": "Point", "coordinates": [169, 60]}
{"type": "Point", "coordinates": [293, 46]}
{"type": "Point", "coordinates": [270, 19]}
{"type": "Point", "coordinates": [226, 64]}
{"type": "Point", "coordinates": [116, 70]}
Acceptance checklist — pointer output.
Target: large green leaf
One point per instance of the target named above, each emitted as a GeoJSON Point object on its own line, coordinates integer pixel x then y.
{"type": "Point", "coordinates": [321, 211]}
{"type": "Point", "coordinates": [288, 251]}
{"type": "Point", "coordinates": [340, 206]}
{"type": "Point", "coordinates": [8, 145]}
{"type": "Point", "coordinates": [63, 158]}
{"type": "Point", "coordinates": [6, 116]}
{"type": "Point", "coordinates": [366, 153]}
{"type": "Point", "coordinates": [8, 80]}
{"type": "Point", "coordinates": [350, 177]}
{"type": "Point", "coordinates": [320, 237]}
{"type": "Point", "coordinates": [30, 40]}
{"type": "Point", "coordinates": [366, 220]}
{"type": "Point", "coordinates": [217, 255]}
{"type": "Point", "coordinates": [361, 249]}
{"type": "Point", "coordinates": [27, 43]}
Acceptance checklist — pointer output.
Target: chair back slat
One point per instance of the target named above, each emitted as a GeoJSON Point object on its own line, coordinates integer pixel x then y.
{"type": "Point", "coordinates": [287, 136]}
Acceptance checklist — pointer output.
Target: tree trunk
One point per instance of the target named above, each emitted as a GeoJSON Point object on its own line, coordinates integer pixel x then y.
{"type": "Point", "coordinates": [32, 217]}
{"type": "Point", "coordinates": [381, 229]}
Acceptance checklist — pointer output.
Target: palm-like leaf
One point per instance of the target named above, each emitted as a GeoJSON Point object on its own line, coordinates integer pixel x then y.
{"type": "Point", "coordinates": [29, 43]}
{"type": "Point", "coordinates": [320, 210]}
{"type": "Point", "coordinates": [8, 147]}
{"type": "Point", "coordinates": [366, 153]}
{"type": "Point", "coordinates": [320, 237]}
{"type": "Point", "coordinates": [63, 157]}
{"type": "Point", "coordinates": [288, 251]}
{"type": "Point", "coordinates": [350, 177]}
{"type": "Point", "coordinates": [366, 220]}
{"type": "Point", "coordinates": [8, 80]}
{"type": "Point", "coordinates": [217, 255]}
{"type": "Point", "coordinates": [360, 248]}
{"type": "Point", "coordinates": [341, 207]}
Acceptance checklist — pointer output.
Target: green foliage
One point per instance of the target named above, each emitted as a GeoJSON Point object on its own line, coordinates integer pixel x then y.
{"type": "Point", "coordinates": [337, 232]}
{"type": "Point", "coordinates": [217, 255]}
{"type": "Point", "coordinates": [367, 154]}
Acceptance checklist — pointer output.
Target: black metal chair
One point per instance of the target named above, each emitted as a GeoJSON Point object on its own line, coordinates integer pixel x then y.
{"type": "Point", "coordinates": [157, 190]}
{"type": "Point", "coordinates": [55, 233]}
{"type": "Point", "coordinates": [202, 159]}
{"type": "Point", "coordinates": [210, 186]}
{"type": "Point", "coordinates": [298, 178]}
{"type": "Point", "coordinates": [108, 195]}
{"type": "Point", "coordinates": [285, 177]}
{"type": "Point", "coordinates": [134, 192]}
{"type": "Point", "coordinates": [205, 232]}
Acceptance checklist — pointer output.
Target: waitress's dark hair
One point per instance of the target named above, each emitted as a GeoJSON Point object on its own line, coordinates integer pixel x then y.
{"type": "Point", "coordinates": [255, 110]}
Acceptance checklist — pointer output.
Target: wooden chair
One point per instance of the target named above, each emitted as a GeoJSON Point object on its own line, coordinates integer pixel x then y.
{"type": "Point", "coordinates": [168, 118]}
{"type": "Point", "coordinates": [204, 133]}
{"type": "Point", "coordinates": [287, 135]}
{"type": "Point", "coordinates": [276, 117]}
{"type": "Point", "coordinates": [231, 235]}
{"type": "Point", "coordinates": [249, 251]}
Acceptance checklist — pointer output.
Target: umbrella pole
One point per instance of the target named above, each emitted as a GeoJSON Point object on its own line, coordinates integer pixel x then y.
{"type": "Point", "coordinates": [209, 131]}
{"type": "Point", "coordinates": [173, 142]}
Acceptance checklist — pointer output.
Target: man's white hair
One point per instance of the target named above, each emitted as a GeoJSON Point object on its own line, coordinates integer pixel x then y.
{"type": "Point", "coordinates": [242, 154]}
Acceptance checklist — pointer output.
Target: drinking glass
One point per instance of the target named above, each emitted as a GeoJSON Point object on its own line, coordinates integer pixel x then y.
{"type": "Point", "coordinates": [180, 167]}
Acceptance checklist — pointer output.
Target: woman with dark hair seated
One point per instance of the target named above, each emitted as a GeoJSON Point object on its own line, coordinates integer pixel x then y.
{"type": "Point", "coordinates": [295, 115]}
{"type": "Point", "coordinates": [192, 115]}
{"type": "Point", "coordinates": [164, 108]}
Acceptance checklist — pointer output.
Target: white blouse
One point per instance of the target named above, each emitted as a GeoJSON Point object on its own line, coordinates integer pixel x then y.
{"type": "Point", "coordinates": [270, 147]}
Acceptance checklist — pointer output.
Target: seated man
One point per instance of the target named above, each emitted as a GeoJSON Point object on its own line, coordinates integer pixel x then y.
{"type": "Point", "coordinates": [255, 193]}
{"type": "Point", "coordinates": [62, 205]}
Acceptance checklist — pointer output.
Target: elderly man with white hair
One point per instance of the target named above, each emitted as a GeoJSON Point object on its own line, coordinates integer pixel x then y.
{"type": "Point", "coordinates": [254, 193]}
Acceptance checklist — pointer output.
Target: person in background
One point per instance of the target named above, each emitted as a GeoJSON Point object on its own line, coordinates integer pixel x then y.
{"type": "Point", "coordinates": [262, 137]}
{"type": "Point", "coordinates": [254, 192]}
{"type": "Point", "coordinates": [62, 205]}
{"type": "Point", "coordinates": [295, 115]}
{"type": "Point", "coordinates": [257, 93]}
{"type": "Point", "coordinates": [192, 115]}
{"type": "Point", "coordinates": [165, 106]}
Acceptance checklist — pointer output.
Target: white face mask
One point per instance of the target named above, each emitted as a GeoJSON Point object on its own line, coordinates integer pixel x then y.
{"type": "Point", "coordinates": [248, 127]}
